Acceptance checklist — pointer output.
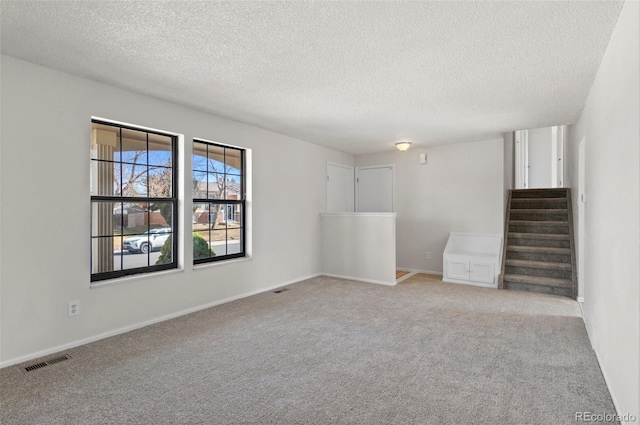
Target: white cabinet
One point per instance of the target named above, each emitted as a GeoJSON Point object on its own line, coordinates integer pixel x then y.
{"type": "Point", "coordinates": [457, 267]}
{"type": "Point", "coordinates": [472, 259]}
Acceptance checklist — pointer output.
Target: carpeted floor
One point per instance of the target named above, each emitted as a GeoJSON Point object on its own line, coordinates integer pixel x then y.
{"type": "Point", "coordinates": [330, 351]}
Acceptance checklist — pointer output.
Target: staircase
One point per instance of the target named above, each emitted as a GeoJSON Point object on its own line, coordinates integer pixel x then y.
{"type": "Point", "coordinates": [539, 255]}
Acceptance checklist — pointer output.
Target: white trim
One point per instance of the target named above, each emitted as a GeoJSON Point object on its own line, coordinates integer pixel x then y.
{"type": "Point", "coordinates": [521, 152]}
{"type": "Point", "coordinates": [201, 266]}
{"type": "Point", "coordinates": [619, 411]}
{"type": "Point", "coordinates": [132, 278]}
{"type": "Point", "coordinates": [139, 325]}
{"type": "Point", "coordinates": [370, 167]}
{"type": "Point", "coordinates": [472, 283]}
{"type": "Point", "coordinates": [406, 276]}
{"type": "Point", "coordinates": [425, 272]}
{"type": "Point", "coordinates": [353, 182]}
{"type": "Point", "coordinates": [135, 126]}
{"type": "Point", "coordinates": [348, 167]}
{"type": "Point", "coordinates": [225, 144]}
{"type": "Point", "coordinates": [416, 271]}
{"type": "Point", "coordinates": [377, 282]}
{"type": "Point", "coordinates": [360, 214]}
{"type": "Point", "coordinates": [554, 156]}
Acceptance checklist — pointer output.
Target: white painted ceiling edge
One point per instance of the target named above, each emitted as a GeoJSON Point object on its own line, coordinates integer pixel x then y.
{"type": "Point", "coordinates": [354, 76]}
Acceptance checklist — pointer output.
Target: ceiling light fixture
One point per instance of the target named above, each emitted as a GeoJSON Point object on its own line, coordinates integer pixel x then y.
{"type": "Point", "coordinates": [403, 145]}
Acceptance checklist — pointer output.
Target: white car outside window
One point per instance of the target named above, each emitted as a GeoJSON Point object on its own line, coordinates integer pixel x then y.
{"type": "Point", "coordinates": [151, 240]}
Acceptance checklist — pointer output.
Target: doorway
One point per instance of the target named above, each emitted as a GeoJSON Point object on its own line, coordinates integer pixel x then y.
{"type": "Point", "coordinates": [539, 158]}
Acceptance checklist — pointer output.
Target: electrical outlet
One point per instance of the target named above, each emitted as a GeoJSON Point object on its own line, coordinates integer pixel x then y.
{"type": "Point", "coordinates": [73, 308]}
{"type": "Point", "coordinates": [306, 259]}
{"type": "Point", "coordinates": [428, 255]}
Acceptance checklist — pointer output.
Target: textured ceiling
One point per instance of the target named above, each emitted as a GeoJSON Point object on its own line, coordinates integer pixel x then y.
{"type": "Point", "coordinates": [355, 76]}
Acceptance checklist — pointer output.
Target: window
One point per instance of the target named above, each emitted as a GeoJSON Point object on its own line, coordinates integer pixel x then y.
{"type": "Point", "coordinates": [133, 201]}
{"type": "Point", "coordinates": [218, 202]}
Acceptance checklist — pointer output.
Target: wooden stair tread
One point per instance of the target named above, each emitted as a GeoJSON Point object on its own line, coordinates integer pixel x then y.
{"type": "Point", "coordinates": [538, 280]}
{"type": "Point", "coordinates": [541, 189]}
{"type": "Point", "coordinates": [539, 210]}
{"type": "Point", "coordinates": [540, 249]}
{"type": "Point", "coordinates": [540, 289]}
{"type": "Point", "coordinates": [541, 222]}
{"type": "Point", "coordinates": [550, 190]}
{"type": "Point", "coordinates": [538, 264]}
{"type": "Point", "coordinates": [554, 236]}
{"type": "Point", "coordinates": [563, 198]}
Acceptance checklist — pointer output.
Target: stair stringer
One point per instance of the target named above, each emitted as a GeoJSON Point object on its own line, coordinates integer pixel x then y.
{"type": "Point", "coordinates": [572, 246]}
{"type": "Point", "coordinates": [507, 218]}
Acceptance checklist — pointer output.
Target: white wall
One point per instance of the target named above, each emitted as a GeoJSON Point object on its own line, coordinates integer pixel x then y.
{"type": "Point", "coordinates": [360, 246]}
{"type": "Point", "coordinates": [459, 189]}
{"type": "Point", "coordinates": [46, 120]}
{"type": "Point", "coordinates": [611, 128]}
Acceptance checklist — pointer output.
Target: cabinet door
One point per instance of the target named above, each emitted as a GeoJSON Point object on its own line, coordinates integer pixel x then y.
{"type": "Point", "coordinates": [458, 269]}
{"type": "Point", "coordinates": [481, 271]}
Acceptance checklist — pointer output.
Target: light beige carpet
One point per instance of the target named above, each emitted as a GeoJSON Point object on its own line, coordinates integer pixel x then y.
{"type": "Point", "coordinates": [330, 351]}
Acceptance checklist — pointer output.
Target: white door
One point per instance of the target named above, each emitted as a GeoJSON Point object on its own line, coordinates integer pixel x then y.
{"type": "Point", "coordinates": [374, 189]}
{"type": "Point", "coordinates": [340, 190]}
{"type": "Point", "coordinates": [540, 154]}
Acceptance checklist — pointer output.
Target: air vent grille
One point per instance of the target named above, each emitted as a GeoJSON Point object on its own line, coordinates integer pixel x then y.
{"type": "Point", "coordinates": [36, 366]}
{"type": "Point", "coordinates": [46, 363]}
{"type": "Point", "coordinates": [280, 290]}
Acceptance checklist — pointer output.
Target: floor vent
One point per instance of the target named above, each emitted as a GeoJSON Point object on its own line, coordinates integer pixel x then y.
{"type": "Point", "coordinates": [46, 363]}
{"type": "Point", "coordinates": [280, 290]}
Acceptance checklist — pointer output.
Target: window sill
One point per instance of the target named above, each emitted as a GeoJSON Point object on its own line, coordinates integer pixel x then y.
{"type": "Point", "coordinates": [135, 277]}
{"type": "Point", "coordinates": [221, 263]}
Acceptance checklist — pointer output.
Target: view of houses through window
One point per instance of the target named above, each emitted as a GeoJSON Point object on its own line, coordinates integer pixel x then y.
{"type": "Point", "coordinates": [218, 202]}
{"type": "Point", "coordinates": [133, 201]}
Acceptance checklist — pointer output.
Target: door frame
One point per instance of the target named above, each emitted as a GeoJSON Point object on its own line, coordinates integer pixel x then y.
{"type": "Point", "coordinates": [521, 152]}
{"type": "Point", "coordinates": [353, 182]}
{"type": "Point", "coordinates": [557, 156]}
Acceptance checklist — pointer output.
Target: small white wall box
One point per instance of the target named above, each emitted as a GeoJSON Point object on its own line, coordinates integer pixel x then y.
{"type": "Point", "coordinates": [472, 259]}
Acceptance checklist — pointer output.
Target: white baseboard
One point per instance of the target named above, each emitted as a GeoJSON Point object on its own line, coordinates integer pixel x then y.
{"type": "Point", "coordinates": [609, 387]}
{"type": "Point", "coordinates": [139, 325]}
{"type": "Point", "coordinates": [589, 326]}
{"type": "Point", "coordinates": [420, 271]}
{"type": "Point", "coordinates": [581, 305]}
{"type": "Point", "coordinates": [406, 276]}
{"type": "Point", "coordinates": [377, 282]}
{"type": "Point", "coordinates": [472, 283]}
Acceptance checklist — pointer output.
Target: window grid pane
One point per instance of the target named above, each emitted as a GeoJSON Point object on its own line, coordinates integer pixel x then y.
{"type": "Point", "coordinates": [133, 201]}
{"type": "Point", "coordinates": [220, 189]}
